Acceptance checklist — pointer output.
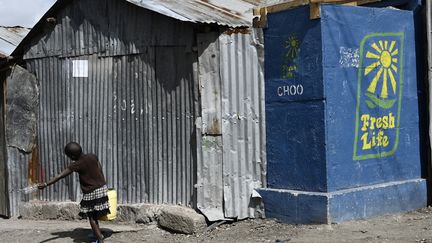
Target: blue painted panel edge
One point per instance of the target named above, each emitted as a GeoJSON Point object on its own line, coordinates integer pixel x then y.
{"type": "Point", "coordinates": [302, 207]}
{"type": "Point", "coordinates": [372, 201]}
{"type": "Point", "coordinates": [295, 207]}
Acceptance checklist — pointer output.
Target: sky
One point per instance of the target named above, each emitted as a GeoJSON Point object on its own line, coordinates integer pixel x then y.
{"type": "Point", "coordinates": [22, 12]}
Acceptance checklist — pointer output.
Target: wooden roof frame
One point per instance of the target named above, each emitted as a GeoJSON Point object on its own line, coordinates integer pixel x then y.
{"type": "Point", "coordinates": [260, 14]}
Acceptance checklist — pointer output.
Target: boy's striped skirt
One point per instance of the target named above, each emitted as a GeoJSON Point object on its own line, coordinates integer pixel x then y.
{"type": "Point", "coordinates": [95, 204]}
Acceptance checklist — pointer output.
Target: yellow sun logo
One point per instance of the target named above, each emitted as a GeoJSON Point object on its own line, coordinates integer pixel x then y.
{"type": "Point", "coordinates": [290, 57]}
{"type": "Point", "coordinates": [293, 47]}
{"type": "Point", "coordinates": [386, 56]}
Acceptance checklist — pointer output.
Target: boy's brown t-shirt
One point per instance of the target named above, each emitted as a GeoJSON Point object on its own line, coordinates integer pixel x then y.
{"type": "Point", "coordinates": [90, 172]}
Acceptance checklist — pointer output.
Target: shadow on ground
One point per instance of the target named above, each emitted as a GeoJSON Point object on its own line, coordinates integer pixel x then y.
{"type": "Point", "coordinates": [78, 235]}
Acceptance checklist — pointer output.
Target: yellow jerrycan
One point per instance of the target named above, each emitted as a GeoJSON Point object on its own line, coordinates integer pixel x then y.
{"type": "Point", "coordinates": [112, 200]}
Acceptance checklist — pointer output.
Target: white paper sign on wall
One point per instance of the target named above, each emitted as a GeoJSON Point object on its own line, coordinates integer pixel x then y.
{"type": "Point", "coordinates": [80, 68]}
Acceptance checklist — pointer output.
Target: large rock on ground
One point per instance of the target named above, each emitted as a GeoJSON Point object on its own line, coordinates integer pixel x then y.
{"type": "Point", "coordinates": [137, 213]}
{"type": "Point", "coordinates": [181, 219]}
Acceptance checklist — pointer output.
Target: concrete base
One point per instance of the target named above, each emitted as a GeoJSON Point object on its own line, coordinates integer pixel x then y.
{"type": "Point", "coordinates": [174, 218]}
{"type": "Point", "coordinates": [300, 207]}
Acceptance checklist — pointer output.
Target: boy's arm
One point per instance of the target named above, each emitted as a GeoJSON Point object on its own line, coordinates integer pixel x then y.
{"type": "Point", "coordinates": [62, 175]}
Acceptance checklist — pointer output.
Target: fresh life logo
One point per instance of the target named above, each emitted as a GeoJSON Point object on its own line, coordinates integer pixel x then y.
{"type": "Point", "coordinates": [379, 95]}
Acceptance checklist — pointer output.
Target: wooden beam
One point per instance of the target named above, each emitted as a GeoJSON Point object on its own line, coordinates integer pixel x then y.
{"type": "Point", "coordinates": [359, 2]}
{"type": "Point", "coordinates": [332, 1]}
{"type": "Point", "coordinates": [260, 18]}
{"type": "Point", "coordinates": [260, 14]}
{"type": "Point", "coordinates": [362, 2]}
{"type": "Point", "coordinates": [287, 5]}
{"type": "Point", "coordinates": [315, 6]}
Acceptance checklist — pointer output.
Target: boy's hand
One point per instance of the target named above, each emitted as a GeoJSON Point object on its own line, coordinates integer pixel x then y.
{"type": "Point", "coordinates": [42, 186]}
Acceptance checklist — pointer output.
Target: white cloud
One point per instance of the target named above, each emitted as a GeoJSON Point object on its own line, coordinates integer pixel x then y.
{"type": "Point", "coordinates": [22, 12]}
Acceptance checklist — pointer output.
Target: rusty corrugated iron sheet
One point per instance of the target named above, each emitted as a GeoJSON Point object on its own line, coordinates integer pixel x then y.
{"type": "Point", "coordinates": [10, 37]}
{"type": "Point", "coordinates": [232, 13]}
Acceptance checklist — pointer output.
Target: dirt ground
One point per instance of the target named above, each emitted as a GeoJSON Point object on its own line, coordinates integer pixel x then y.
{"type": "Point", "coordinates": [407, 227]}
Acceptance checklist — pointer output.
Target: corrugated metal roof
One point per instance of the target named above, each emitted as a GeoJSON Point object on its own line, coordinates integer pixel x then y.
{"type": "Point", "coordinates": [233, 13]}
{"type": "Point", "coordinates": [10, 37]}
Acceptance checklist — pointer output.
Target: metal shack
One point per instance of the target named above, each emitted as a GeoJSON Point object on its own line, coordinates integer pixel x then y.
{"type": "Point", "coordinates": [168, 94]}
{"type": "Point", "coordinates": [10, 37]}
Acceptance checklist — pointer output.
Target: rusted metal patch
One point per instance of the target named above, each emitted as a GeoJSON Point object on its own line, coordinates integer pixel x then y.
{"type": "Point", "coordinates": [232, 31]}
{"type": "Point", "coordinates": [34, 167]}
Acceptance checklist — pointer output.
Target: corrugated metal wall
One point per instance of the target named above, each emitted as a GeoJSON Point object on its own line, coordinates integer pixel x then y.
{"type": "Point", "coordinates": [4, 192]}
{"type": "Point", "coordinates": [134, 114]}
{"type": "Point", "coordinates": [135, 110]}
{"type": "Point", "coordinates": [243, 120]}
{"type": "Point", "coordinates": [20, 134]}
{"type": "Point", "coordinates": [231, 163]}
{"type": "Point", "coordinates": [210, 163]}
{"type": "Point", "coordinates": [18, 165]}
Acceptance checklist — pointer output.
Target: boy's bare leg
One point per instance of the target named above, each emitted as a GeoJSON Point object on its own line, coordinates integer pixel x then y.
{"type": "Point", "coordinates": [96, 230]}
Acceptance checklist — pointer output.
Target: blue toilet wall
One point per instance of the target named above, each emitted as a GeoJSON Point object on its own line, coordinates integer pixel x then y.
{"type": "Point", "coordinates": [344, 28]}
